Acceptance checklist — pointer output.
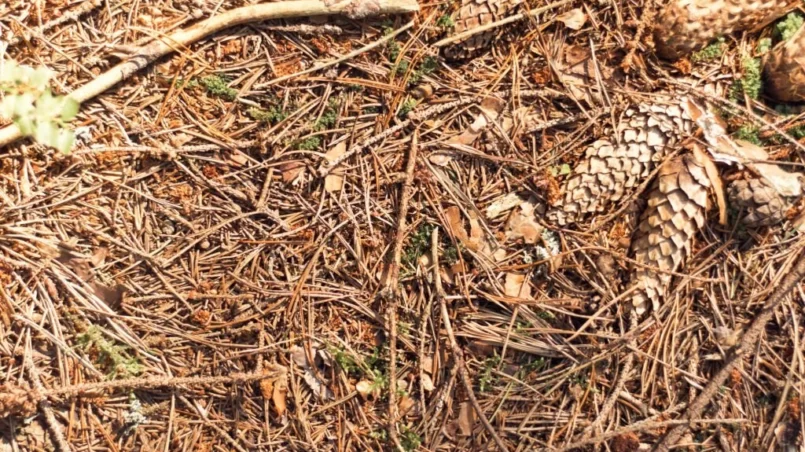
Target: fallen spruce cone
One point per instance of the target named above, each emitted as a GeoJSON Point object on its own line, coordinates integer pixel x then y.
{"type": "Point", "coordinates": [675, 212]}
{"type": "Point", "coordinates": [784, 71]}
{"type": "Point", "coordinates": [472, 14]}
{"type": "Point", "coordinates": [685, 26]}
{"type": "Point", "coordinates": [612, 167]}
{"type": "Point", "coordinates": [760, 203]}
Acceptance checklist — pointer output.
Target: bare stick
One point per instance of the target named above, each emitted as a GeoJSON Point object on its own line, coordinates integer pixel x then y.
{"type": "Point", "coordinates": [517, 17]}
{"type": "Point", "coordinates": [148, 53]}
{"type": "Point", "coordinates": [44, 404]}
{"type": "Point", "coordinates": [391, 283]}
{"type": "Point", "coordinates": [459, 356]}
{"type": "Point", "coordinates": [746, 346]}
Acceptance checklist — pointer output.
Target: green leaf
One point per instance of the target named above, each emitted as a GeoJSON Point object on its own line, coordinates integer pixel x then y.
{"type": "Point", "coordinates": [47, 133]}
{"type": "Point", "coordinates": [564, 169]}
{"type": "Point", "coordinates": [24, 105]}
{"type": "Point", "coordinates": [46, 105]}
{"type": "Point", "coordinates": [69, 109]}
{"type": "Point", "coordinates": [39, 78]}
{"type": "Point", "coordinates": [7, 106]}
{"type": "Point", "coordinates": [65, 141]}
{"type": "Point", "coordinates": [26, 125]}
{"type": "Point", "coordinates": [8, 70]}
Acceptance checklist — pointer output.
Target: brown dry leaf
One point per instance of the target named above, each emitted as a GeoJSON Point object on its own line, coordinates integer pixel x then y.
{"type": "Point", "coordinates": [573, 19]}
{"type": "Point", "coordinates": [455, 223]}
{"type": "Point", "coordinates": [522, 224]}
{"type": "Point", "coordinates": [405, 404]}
{"type": "Point", "coordinates": [502, 205]}
{"type": "Point", "coordinates": [579, 73]}
{"type": "Point", "coordinates": [516, 286]}
{"type": "Point", "coordinates": [427, 383]}
{"type": "Point", "coordinates": [366, 388]}
{"type": "Point", "coordinates": [291, 171]}
{"type": "Point", "coordinates": [335, 178]}
{"type": "Point", "coordinates": [466, 419]}
{"type": "Point", "coordinates": [99, 256]}
{"type": "Point", "coordinates": [280, 393]}
{"type": "Point", "coordinates": [491, 108]}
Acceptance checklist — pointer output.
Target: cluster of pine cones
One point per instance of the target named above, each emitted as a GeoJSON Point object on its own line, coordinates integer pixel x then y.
{"type": "Point", "coordinates": [613, 167]}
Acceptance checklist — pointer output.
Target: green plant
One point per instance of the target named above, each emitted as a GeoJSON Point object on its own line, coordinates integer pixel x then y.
{"type": "Point", "coordinates": [308, 144]}
{"type": "Point", "coordinates": [486, 377]}
{"type": "Point", "coordinates": [273, 115]}
{"type": "Point", "coordinates": [111, 357]}
{"type": "Point", "coordinates": [445, 21]}
{"type": "Point", "coordinates": [29, 103]}
{"type": "Point", "coordinates": [218, 85]}
{"type": "Point", "coordinates": [763, 46]}
{"type": "Point", "coordinates": [327, 119]}
{"type": "Point", "coordinates": [410, 440]}
{"type": "Point", "coordinates": [418, 244]}
{"type": "Point", "coordinates": [406, 107]}
{"type": "Point", "coordinates": [450, 255]}
{"type": "Point", "coordinates": [786, 28]}
{"type": "Point", "coordinates": [748, 133]}
{"type": "Point", "coordinates": [750, 83]}
{"type": "Point", "coordinates": [428, 66]}
{"type": "Point", "coordinates": [711, 52]}
{"type": "Point", "coordinates": [394, 50]}
{"type": "Point", "coordinates": [345, 360]}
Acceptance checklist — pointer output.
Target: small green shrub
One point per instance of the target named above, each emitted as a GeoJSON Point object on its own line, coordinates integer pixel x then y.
{"type": "Point", "coordinates": [749, 133]}
{"type": "Point", "coordinates": [218, 85]}
{"type": "Point", "coordinates": [271, 116]}
{"type": "Point", "coordinates": [29, 103]}
{"type": "Point", "coordinates": [445, 21]}
{"type": "Point", "coordinates": [406, 108]}
{"type": "Point", "coordinates": [711, 52]}
{"type": "Point", "coordinates": [750, 83]}
{"type": "Point", "coordinates": [786, 28]}
{"type": "Point", "coordinates": [112, 358]}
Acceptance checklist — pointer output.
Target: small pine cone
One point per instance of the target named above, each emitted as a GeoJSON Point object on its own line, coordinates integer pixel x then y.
{"type": "Point", "coordinates": [612, 168]}
{"type": "Point", "coordinates": [784, 70]}
{"type": "Point", "coordinates": [675, 212]}
{"type": "Point", "coordinates": [472, 14]}
{"type": "Point", "coordinates": [760, 202]}
{"type": "Point", "coordinates": [685, 26]}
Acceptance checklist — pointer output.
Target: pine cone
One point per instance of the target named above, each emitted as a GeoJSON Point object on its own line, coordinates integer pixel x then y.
{"type": "Point", "coordinates": [688, 25]}
{"type": "Point", "coordinates": [474, 13]}
{"type": "Point", "coordinates": [613, 167]}
{"type": "Point", "coordinates": [785, 70]}
{"type": "Point", "coordinates": [675, 212]}
{"type": "Point", "coordinates": [760, 203]}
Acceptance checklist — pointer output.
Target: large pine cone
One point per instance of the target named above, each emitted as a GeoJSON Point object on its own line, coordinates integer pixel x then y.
{"type": "Point", "coordinates": [688, 25]}
{"type": "Point", "coordinates": [675, 212]}
{"type": "Point", "coordinates": [785, 70]}
{"type": "Point", "coordinates": [760, 202]}
{"type": "Point", "coordinates": [472, 14]}
{"type": "Point", "coordinates": [611, 168]}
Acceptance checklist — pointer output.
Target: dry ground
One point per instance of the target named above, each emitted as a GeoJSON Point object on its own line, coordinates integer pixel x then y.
{"type": "Point", "coordinates": [190, 235]}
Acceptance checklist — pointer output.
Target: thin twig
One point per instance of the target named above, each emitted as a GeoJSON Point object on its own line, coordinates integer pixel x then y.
{"type": "Point", "coordinates": [457, 353]}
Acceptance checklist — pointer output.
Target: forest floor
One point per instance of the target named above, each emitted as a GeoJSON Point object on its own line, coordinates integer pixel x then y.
{"type": "Point", "coordinates": [192, 233]}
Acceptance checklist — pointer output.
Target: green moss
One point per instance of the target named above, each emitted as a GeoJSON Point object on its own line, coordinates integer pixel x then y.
{"type": "Point", "coordinates": [784, 29]}
{"type": "Point", "coordinates": [750, 83]}
{"type": "Point", "coordinates": [711, 52]}
{"type": "Point", "coordinates": [418, 244]}
{"type": "Point", "coordinates": [327, 120]}
{"type": "Point", "coordinates": [112, 358]}
{"type": "Point", "coordinates": [218, 86]}
{"type": "Point", "coordinates": [749, 133]}
{"type": "Point", "coordinates": [273, 115]}
{"type": "Point", "coordinates": [450, 255]}
{"type": "Point", "coordinates": [308, 144]}
{"type": "Point", "coordinates": [428, 66]}
{"type": "Point", "coordinates": [406, 108]}
{"type": "Point", "coordinates": [445, 21]}
{"type": "Point", "coordinates": [486, 378]}
{"type": "Point", "coordinates": [763, 46]}
{"type": "Point", "coordinates": [409, 440]}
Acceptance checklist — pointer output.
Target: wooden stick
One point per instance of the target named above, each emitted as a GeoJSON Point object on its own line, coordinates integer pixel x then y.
{"type": "Point", "coordinates": [458, 355]}
{"type": "Point", "coordinates": [145, 55]}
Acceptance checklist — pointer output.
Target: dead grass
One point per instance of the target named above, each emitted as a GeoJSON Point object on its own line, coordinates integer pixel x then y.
{"type": "Point", "coordinates": [190, 235]}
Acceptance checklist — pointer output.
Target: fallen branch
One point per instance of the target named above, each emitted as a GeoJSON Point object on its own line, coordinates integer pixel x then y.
{"type": "Point", "coordinates": [747, 345]}
{"type": "Point", "coordinates": [457, 354]}
{"type": "Point", "coordinates": [145, 55]}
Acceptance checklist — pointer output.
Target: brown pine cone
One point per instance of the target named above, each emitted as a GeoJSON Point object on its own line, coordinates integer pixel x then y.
{"type": "Point", "coordinates": [474, 13]}
{"type": "Point", "coordinates": [784, 70]}
{"type": "Point", "coordinates": [761, 204]}
{"type": "Point", "coordinates": [685, 26]}
{"type": "Point", "coordinates": [611, 169]}
{"type": "Point", "coordinates": [675, 212]}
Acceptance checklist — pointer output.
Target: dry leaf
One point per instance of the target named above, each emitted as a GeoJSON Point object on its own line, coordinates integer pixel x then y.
{"type": "Point", "coordinates": [503, 204]}
{"type": "Point", "coordinates": [405, 404]}
{"type": "Point", "coordinates": [491, 108]}
{"type": "Point", "coordinates": [466, 419]}
{"type": "Point", "coordinates": [279, 396]}
{"type": "Point", "coordinates": [427, 383]}
{"type": "Point", "coordinates": [99, 256]}
{"type": "Point", "coordinates": [715, 180]}
{"type": "Point", "coordinates": [335, 178]}
{"type": "Point", "coordinates": [522, 224]}
{"type": "Point", "coordinates": [292, 171]}
{"type": "Point", "coordinates": [318, 387]}
{"type": "Point", "coordinates": [573, 19]}
{"type": "Point", "coordinates": [365, 388]}
{"type": "Point", "coordinates": [516, 286]}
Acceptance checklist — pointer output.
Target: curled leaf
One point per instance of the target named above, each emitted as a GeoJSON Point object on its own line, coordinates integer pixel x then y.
{"type": "Point", "coordinates": [573, 19]}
